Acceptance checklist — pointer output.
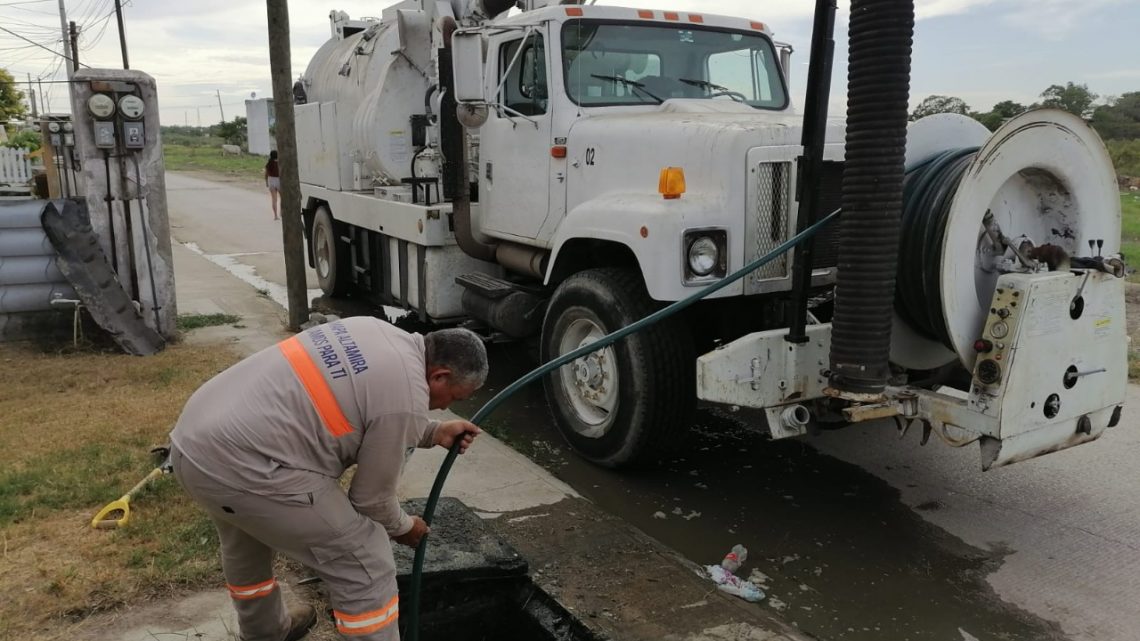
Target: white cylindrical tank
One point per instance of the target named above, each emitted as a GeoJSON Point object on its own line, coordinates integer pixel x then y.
{"type": "Point", "coordinates": [376, 89]}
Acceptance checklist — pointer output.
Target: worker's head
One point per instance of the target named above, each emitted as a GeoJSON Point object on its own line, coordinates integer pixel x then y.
{"type": "Point", "coordinates": [456, 366]}
{"type": "Point", "coordinates": [273, 155]}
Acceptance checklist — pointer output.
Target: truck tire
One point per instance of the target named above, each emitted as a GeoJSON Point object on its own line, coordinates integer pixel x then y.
{"type": "Point", "coordinates": [329, 259]}
{"type": "Point", "coordinates": [630, 401]}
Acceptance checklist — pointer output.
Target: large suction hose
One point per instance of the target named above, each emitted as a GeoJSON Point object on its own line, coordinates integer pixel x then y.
{"type": "Point", "coordinates": [877, 94]}
{"type": "Point", "coordinates": [412, 624]}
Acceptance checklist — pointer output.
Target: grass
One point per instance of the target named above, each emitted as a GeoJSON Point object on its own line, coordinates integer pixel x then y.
{"type": "Point", "coordinates": [210, 158]}
{"type": "Point", "coordinates": [187, 322]}
{"type": "Point", "coordinates": [1130, 231]}
{"type": "Point", "coordinates": [75, 434]}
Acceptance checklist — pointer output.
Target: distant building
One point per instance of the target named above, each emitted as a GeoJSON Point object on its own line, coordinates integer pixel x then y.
{"type": "Point", "coordinates": [259, 121]}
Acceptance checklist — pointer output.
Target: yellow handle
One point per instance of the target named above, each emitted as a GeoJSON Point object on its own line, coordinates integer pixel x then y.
{"type": "Point", "coordinates": [103, 521]}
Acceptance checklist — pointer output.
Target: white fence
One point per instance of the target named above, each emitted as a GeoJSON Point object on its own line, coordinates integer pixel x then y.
{"type": "Point", "coordinates": [15, 168]}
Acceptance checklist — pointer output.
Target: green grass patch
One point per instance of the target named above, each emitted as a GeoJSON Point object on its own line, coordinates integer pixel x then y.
{"type": "Point", "coordinates": [77, 433]}
{"type": "Point", "coordinates": [1130, 231]}
{"type": "Point", "coordinates": [67, 478]}
{"type": "Point", "coordinates": [210, 158]}
{"type": "Point", "coordinates": [187, 322]}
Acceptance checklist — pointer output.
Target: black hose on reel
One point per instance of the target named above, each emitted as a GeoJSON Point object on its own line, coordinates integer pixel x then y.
{"type": "Point", "coordinates": [928, 192]}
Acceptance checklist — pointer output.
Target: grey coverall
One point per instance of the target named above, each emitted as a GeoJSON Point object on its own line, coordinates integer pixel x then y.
{"type": "Point", "coordinates": [261, 446]}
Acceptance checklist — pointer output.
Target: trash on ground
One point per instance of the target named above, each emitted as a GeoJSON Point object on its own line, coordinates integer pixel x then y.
{"type": "Point", "coordinates": [724, 576]}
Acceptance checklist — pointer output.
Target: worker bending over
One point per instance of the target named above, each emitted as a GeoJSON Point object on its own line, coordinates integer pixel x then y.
{"type": "Point", "coordinates": [261, 446]}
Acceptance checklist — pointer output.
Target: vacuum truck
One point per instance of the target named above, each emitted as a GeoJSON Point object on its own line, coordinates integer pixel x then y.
{"type": "Point", "coordinates": [554, 171]}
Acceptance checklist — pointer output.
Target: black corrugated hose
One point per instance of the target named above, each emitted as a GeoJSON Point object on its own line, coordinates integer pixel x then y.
{"type": "Point", "coordinates": [928, 193]}
{"type": "Point", "coordinates": [877, 95]}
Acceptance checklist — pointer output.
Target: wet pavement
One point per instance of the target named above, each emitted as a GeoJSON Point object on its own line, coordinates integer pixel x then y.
{"type": "Point", "coordinates": [844, 557]}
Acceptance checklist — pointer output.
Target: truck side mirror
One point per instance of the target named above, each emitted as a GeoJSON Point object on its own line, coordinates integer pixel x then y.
{"type": "Point", "coordinates": [467, 66]}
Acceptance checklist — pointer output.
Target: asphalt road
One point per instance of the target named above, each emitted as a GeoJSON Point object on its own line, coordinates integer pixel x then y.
{"type": "Point", "coordinates": [860, 535]}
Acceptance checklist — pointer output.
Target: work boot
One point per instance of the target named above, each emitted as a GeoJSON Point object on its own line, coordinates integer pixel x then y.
{"type": "Point", "coordinates": [302, 617]}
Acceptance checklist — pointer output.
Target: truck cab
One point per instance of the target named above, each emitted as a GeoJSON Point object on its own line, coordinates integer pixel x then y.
{"type": "Point", "coordinates": [587, 109]}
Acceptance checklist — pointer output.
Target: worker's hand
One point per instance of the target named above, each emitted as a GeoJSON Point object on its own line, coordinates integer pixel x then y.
{"type": "Point", "coordinates": [448, 431]}
{"type": "Point", "coordinates": [412, 537]}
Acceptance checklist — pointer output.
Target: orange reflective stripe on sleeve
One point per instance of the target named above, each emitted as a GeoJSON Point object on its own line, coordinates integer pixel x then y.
{"type": "Point", "coordinates": [316, 387]}
{"type": "Point", "coordinates": [367, 622]}
{"type": "Point", "coordinates": [256, 591]}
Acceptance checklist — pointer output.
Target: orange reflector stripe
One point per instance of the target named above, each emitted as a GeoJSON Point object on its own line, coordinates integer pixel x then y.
{"type": "Point", "coordinates": [558, 151]}
{"type": "Point", "coordinates": [368, 622]}
{"type": "Point", "coordinates": [696, 18]}
{"type": "Point", "coordinates": [642, 13]}
{"type": "Point", "coordinates": [256, 591]}
{"type": "Point", "coordinates": [316, 387]}
{"type": "Point", "coordinates": [669, 15]}
{"type": "Point", "coordinates": [573, 11]}
{"type": "Point", "coordinates": [759, 26]}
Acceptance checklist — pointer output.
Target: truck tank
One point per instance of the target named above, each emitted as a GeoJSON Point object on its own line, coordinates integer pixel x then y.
{"type": "Point", "coordinates": [378, 77]}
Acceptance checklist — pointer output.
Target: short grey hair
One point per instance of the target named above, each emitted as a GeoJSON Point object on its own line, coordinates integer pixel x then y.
{"type": "Point", "coordinates": [461, 351]}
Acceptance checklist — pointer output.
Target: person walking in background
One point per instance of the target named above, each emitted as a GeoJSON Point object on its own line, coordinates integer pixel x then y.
{"type": "Point", "coordinates": [273, 181]}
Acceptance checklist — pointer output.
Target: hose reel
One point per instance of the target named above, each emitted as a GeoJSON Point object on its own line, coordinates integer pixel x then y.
{"type": "Point", "coordinates": [1042, 178]}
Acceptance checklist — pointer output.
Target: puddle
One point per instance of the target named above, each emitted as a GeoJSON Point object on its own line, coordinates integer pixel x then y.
{"type": "Point", "coordinates": [843, 557]}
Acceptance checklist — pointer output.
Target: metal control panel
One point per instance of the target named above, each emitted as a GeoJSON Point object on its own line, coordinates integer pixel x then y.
{"type": "Point", "coordinates": [117, 113]}
{"type": "Point", "coordinates": [104, 135]}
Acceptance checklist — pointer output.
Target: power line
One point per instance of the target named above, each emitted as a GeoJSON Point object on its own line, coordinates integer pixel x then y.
{"type": "Point", "coordinates": [5, 29]}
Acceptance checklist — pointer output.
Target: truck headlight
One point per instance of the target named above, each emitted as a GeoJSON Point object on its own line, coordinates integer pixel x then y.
{"type": "Point", "coordinates": [703, 256]}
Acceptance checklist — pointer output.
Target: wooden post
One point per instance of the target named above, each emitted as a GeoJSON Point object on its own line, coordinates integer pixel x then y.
{"type": "Point", "coordinates": [73, 33]}
{"type": "Point", "coordinates": [122, 33]}
{"type": "Point", "coordinates": [277, 12]}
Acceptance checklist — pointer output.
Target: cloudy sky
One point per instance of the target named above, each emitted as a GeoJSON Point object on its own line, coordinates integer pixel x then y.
{"type": "Point", "coordinates": [983, 51]}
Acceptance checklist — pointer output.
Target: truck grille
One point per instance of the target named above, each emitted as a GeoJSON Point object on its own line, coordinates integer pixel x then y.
{"type": "Point", "coordinates": [771, 221]}
{"type": "Point", "coordinates": [770, 218]}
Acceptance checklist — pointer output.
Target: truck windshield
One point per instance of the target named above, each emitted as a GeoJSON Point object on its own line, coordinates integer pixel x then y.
{"type": "Point", "coordinates": [621, 63]}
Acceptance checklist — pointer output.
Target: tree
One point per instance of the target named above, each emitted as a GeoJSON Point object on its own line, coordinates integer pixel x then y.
{"type": "Point", "coordinates": [11, 98]}
{"type": "Point", "coordinates": [234, 132]}
{"type": "Point", "coordinates": [1119, 119]}
{"type": "Point", "coordinates": [26, 139]}
{"type": "Point", "coordinates": [1000, 113]}
{"type": "Point", "coordinates": [940, 105]}
{"type": "Point", "coordinates": [1073, 98]}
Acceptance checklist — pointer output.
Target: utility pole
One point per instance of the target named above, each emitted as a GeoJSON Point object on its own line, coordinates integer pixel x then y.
{"type": "Point", "coordinates": [277, 12]}
{"type": "Point", "coordinates": [198, 110]}
{"type": "Point", "coordinates": [66, 43]}
{"type": "Point", "coordinates": [219, 92]}
{"type": "Point", "coordinates": [122, 33]}
{"type": "Point", "coordinates": [73, 32]}
{"type": "Point", "coordinates": [43, 97]}
{"type": "Point", "coordinates": [32, 98]}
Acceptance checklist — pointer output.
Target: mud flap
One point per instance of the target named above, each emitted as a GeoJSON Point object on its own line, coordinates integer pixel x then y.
{"type": "Point", "coordinates": [82, 262]}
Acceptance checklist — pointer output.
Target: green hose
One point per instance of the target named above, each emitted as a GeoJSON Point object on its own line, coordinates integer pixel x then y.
{"type": "Point", "coordinates": [413, 609]}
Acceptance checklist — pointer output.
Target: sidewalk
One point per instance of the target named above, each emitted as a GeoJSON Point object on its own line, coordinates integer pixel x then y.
{"type": "Point", "coordinates": [613, 577]}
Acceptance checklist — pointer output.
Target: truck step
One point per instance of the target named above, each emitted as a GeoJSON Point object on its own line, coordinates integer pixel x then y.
{"type": "Point", "coordinates": [488, 286]}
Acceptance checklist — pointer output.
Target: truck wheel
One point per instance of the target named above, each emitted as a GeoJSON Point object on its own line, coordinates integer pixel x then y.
{"type": "Point", "coordinates": [629, 401]}
{"type": "Point", "coordinates": [331, 266]}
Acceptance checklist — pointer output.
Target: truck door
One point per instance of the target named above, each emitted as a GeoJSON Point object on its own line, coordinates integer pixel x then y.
{"type": "Point", "coordinates": [514, 172]}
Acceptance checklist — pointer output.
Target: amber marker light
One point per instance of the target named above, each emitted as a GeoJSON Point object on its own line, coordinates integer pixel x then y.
{"type": "Point", "coordinates": [672, 183]}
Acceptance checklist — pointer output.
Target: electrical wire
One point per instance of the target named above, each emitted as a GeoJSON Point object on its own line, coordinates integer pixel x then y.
{"type": "Point", "coordinates": [7, 30]}
{"type": "Point", "coordinates": [413, 610]}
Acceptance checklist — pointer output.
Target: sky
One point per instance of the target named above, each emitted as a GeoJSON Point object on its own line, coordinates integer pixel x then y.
{"type": "Point", "coordinates": [982, 51]}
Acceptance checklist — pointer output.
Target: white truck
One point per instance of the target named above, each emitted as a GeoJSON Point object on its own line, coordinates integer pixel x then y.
{"type": "Point", "coordinates": [560, 171]}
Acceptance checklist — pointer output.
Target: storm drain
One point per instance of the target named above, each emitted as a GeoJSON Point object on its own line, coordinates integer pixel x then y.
{"type": "Point", "coordinates": [476, 586]}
